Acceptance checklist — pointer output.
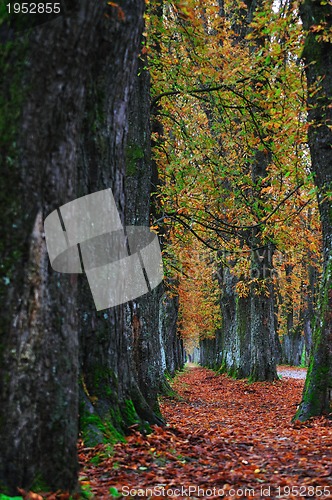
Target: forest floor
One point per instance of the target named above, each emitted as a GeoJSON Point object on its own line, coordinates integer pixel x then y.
{"type": "Point", "coordinates": [224, 438]}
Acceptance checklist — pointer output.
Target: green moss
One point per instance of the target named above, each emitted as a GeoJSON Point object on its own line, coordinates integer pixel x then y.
{"type": "Point", "coordinates": [303, 363]}
{"type": "Point", "coordinates": [315, 397]}
{"type": "Point", "coordinates": [222, 368]}
{"type": "Point", "coordinates": [5, 497]}
{"type": "Point", "coordinates": [233, 372]}
{"type": "Point", "coordinates": [134, 152]}
{"type": "Point", "coordinates": [93, 427]}
{"type": "Point", "coordinates": [129, 413]}
{"type": "Point", "coordinates": [157, 411]}
{"type": "Point", "coordinates": [103, 381]}
{"type": "Point", "coordinates": [313, 394]}
{"type": "Point", "coordinates": [39, 484]}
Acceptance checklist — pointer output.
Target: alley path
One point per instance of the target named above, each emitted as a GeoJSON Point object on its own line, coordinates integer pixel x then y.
{"type": "Point", "coordinates": [292, 372]}
{"type": "Point", "coordinates": [225, 439]}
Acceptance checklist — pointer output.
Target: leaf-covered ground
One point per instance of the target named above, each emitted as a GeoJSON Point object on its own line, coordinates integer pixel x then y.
{"type": "Point", "coordinates": [225, 439]}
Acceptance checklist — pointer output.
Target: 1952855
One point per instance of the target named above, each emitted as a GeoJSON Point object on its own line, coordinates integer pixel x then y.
{"type": "Point", "coordinates": [304, 491]}
{"type": "Point", "coordinates": [34, 8]}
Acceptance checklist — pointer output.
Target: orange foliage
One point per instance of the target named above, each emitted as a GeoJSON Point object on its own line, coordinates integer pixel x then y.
{"type": "Point", "coordinates": [223, 99]}
{"type": "Point", "coordinates": [223, 433]}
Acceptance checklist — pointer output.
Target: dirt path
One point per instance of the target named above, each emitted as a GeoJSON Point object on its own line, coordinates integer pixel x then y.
{"type": "Point", "coordinates": [225, 439]}
{"type": "Point", "coordinates": [292, 372]}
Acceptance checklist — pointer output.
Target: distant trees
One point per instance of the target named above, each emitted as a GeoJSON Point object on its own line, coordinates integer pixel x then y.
{"type": "Point", "coordinates": [234, 162]}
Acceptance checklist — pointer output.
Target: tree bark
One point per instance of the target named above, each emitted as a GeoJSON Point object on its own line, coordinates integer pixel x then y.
{"type": "Point", "coordinates": [143, 313]}
{"type": "Point", "coordinates": [234, 347]}
{"type": "Point", "coordinates": [317, 56]}
{"type": "Point", "coordinates": [121, 353]}
{"type": "Point", "coordinates": [263, 337]}
{"type": "Point", "coordinates": [44, 85]}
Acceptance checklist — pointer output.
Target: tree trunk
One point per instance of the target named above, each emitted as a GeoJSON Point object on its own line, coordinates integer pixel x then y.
{"type": "Point", "coordinates": [121, 353]}
{"type": "Point", "coordinates": [292, 346]}
{"type": "Point", "coordinates": [208, 353]}
{"type": "Point", "coordinates": [173, 344]}
{"type": "Point", "coordinates": [44, 87]}
{"type": "Point", "coordinates": [143, 313]}
{"type": "Point", "coordinates": [263, 337]}
{"type": "Point", "coordinates": [233, 350]}
{"type": "Point", "coordinates": [293, 340]}
{"type": "Point", "coordinates": [317, 56]}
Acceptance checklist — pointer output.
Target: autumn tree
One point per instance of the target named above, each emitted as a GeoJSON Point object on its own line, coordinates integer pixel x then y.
{"type": "Point", "coordinates": [317, 22]}
{"type": "Point", "coordinates": [235, 172]}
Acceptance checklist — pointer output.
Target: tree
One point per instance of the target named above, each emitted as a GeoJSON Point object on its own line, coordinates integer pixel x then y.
{"type": "Point", "coordinates": [47, 162]}
{"type": "Point", "coordinates": [317, 54]}
{"type": "Point", "coordinates": [234, 160]}
{"type": "Point", "coordinates": [115, 390]}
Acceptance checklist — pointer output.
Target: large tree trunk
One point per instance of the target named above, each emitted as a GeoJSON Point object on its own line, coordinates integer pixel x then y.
{"type": "Point", "coordinates": [143, 313]}
{"type": "Point", "coordinates": [233, 348]}
{"type": "Point", "coordinates": [263, 337]}
{"type": "Point", "coordinates": [120, 348]}
{"type": "Point", "coordinates": [317, 55]}
{"type": "Point", "coordinates": [44, 83]}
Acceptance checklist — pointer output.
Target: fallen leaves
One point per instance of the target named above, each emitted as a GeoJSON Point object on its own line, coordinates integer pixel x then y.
{"type": "Point", "coordinates": [58, 495]}
{"type": "Point", "coordinates": [225, 434]}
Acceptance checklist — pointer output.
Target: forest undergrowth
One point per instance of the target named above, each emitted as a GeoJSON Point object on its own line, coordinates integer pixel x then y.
{"type": "Point", "coordinates": [224, 438]}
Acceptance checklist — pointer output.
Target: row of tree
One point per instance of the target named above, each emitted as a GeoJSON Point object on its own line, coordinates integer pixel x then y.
{"type": "Point", "coordinates": [240, 177]}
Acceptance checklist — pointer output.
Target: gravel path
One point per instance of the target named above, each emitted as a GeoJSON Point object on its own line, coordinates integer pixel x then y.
{"type": "Point", "coordinates": [292, 372]}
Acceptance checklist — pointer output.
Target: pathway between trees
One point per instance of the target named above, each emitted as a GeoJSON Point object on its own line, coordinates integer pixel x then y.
{"type": "Point", "coordinates": [225, 439]}
{"type": "Point", "coordinates": [292, 372]}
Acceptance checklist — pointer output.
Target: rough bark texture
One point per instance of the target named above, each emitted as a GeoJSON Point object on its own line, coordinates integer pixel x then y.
{"type": "Point", "coordinates": [236, 345]}
{"type": "Point", "coordinates": [143, 313]}
{"type": "Point", "coordinates": [233, 340]}
{"type": "Point", "coordinates": [121, 352]}
{"type": "Point", "coordinates": [172, 342]}
{"type": "Point", "coordinates": [246, 344]}
{"type": "Point", "coordinates": [317, 56]}
{"type": "Point", "coordinates": [292, 346]}
{"type": "Point", "coordinates": [44, 87]}
{"type": "Point", "coordinates": [207, 352]}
